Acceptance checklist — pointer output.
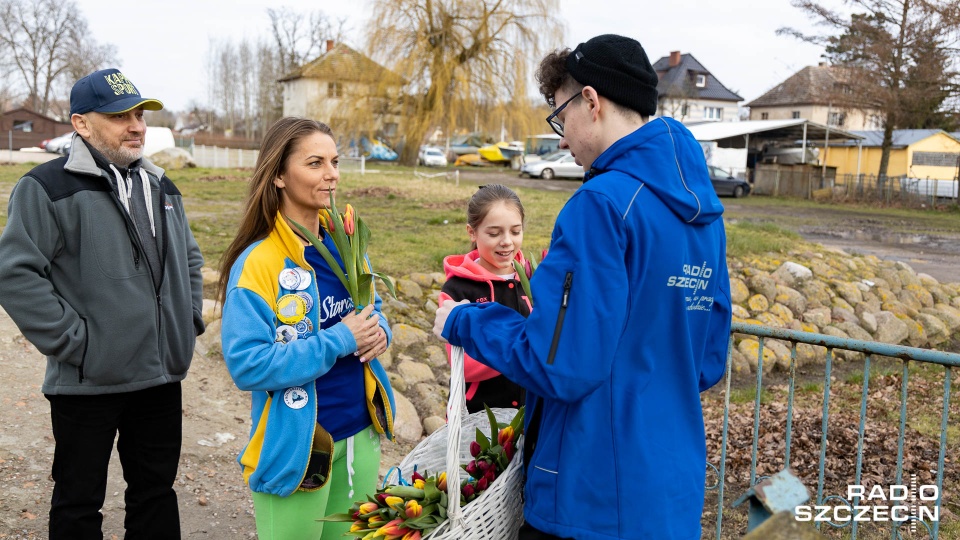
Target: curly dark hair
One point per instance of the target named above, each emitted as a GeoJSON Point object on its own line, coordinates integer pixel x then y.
{"type": "Point", "coordinates": [552, 75]}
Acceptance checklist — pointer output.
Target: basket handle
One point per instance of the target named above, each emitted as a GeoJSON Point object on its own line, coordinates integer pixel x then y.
{"type": "Point", "coordinates": [456, 406]}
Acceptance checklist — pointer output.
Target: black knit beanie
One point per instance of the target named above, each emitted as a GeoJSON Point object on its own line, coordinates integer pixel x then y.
{"type": "Point", "coordinates": [618, 68]}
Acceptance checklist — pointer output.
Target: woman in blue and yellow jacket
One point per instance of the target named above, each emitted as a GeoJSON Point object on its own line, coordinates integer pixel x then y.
{"type": "Point", "coordinates": [291, 337]}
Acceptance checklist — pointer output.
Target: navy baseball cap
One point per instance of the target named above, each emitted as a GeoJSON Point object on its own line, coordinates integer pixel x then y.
{"type": "Point", "coordinates": [108, 91]}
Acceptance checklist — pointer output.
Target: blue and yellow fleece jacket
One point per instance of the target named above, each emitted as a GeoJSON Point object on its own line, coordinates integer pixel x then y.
{"type": "Point", "coordinates": [279, 374]}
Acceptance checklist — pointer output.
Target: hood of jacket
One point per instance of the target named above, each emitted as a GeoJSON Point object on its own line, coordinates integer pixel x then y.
{"type": "Point", "coordinates": [467, 267]}
{"type": "Point", "coordinates": [664, 155]}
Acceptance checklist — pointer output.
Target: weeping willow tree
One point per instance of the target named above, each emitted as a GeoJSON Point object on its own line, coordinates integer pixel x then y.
{"type": "Point", "coordinates": [466, 64]}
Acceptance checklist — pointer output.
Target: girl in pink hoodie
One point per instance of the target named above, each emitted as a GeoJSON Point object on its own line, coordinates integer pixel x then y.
{"type": "Point", "coordinates": [486, 274]}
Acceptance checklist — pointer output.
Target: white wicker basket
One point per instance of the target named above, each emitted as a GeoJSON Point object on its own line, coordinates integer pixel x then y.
{"type": "Point", "coordinates": [497, 513]}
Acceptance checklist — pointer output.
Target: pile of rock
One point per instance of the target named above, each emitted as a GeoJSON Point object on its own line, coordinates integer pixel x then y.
{"type": "Point", "coordinates": [836, 294]}
{"type": "Point", "coordinates": [827, 292]}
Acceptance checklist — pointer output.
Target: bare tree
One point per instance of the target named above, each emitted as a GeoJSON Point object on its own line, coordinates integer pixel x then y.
{"type": "Point", "coordinates": [461, 58]}
{"type": "Point", "coordinates": [886, 43]}
{"type": "Point", "coordinates": [243, 86]}
{"type": "Point", "coordinates": [269, 93]}
{"type": "Point", "coordinates": [247, 82]}
{"type": "Point", "coordinates": [299, 36]}
{"type": "Point", "coordinates": [43, 41]}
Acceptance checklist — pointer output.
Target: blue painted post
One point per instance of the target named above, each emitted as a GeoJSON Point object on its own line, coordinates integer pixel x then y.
{"type": "Point", "coordinates": [756, 415]}
{"type": "Point", "coordinates": [894, 526]}
{"type": "Point", "coordinates": [723, 442]}
{"type": "Point", "coordinates": [948, 374]}
{"type": "Point", "coordinates": [793, 378]}
{"type": "Point", "coordinates": [823, 428]}
{"type": "Point", "coordinates": [860, 434]}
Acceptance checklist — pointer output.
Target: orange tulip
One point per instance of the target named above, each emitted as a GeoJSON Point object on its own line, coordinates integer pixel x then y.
{"type": "Point", "coordinates": [327, 220]}
{"type": "Point", "coordinates": [442, 481]}
{"type": "Point", "coordinates": [367, 508]}
{"type": "Point", "coordinates": [505, 436]}
{"type": "Point", "coordinates": [412, 535]}
{"type": "Point", "coordinates": [413, 509]}
{"type": "Point", "coordinates": [349, 221]}
{"type": "Point", "coordinates": [392, 530]}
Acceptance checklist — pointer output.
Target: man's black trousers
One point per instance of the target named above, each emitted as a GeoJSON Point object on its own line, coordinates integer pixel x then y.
{"type": "Point", "coordinates": [149, 423]}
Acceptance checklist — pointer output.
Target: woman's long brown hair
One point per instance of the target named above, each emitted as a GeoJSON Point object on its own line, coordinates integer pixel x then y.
{"type": "Point", "coordinates": [263, 202]}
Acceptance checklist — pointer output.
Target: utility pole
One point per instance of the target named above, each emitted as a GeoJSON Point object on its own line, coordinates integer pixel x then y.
{"type": "Point", "coordinates": [826, 149]}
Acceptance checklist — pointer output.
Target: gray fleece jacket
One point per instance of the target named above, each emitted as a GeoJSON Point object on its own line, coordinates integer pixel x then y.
{"type": "Point", "coordinates": [74, 279]}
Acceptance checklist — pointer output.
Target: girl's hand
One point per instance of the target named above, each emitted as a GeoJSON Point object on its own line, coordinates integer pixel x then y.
{"type": "Point", "coordinates": [365, 327]}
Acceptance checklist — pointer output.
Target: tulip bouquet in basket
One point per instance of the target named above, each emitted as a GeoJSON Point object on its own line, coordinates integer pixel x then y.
{"type": "Point", "coordinates": [350, 235]}
{"type": "Point", "coordinates": [413, 510]}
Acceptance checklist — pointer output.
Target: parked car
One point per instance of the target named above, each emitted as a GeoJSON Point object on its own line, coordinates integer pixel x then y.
{"type": "Point", "coordinates": [557, 165]}
{"type": "Point", "coordinates": [59, 145]}
{"type": "Point", "coordinates": [433, 157]}
{"type": "Point", "coordinates": [725, 183]}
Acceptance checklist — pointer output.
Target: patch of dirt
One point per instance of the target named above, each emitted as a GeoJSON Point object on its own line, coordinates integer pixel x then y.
{"type": "Point", "coordinates": [221, 177]}
{"type": "Point", "coordinates": [458, 204]}
{"type": "Point", "coordinates": [378, 192]}
{"type": "Point", "coordinates": [214, 501]}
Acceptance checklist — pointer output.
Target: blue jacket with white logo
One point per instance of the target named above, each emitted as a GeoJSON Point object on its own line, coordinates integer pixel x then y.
{"type": "Point", "coordinates": [631, 323]}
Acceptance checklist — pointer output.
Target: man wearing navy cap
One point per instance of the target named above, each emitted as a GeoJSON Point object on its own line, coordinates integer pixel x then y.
{"type": "Point", "coordinates": [100, 271]}
{"type": "Point", "coordinates": [632, 319]}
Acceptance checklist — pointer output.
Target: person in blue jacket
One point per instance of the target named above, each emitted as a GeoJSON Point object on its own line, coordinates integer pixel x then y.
{"type": "Point", "coordinates": [289, 334]}
{"type": "Point", "coordinates": [632, 318]}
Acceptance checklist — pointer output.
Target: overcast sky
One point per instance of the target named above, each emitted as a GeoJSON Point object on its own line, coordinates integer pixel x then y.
{"type": "Point", "coordinates": [163, 51]}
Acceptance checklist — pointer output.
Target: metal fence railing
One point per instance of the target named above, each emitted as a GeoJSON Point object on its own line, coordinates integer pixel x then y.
{"type": "Point", "coordinates": [873, 351]}
{"type": "Point", "coordinates": [894, 189]}
{"type": "Point", "coordinates": [216, 156]}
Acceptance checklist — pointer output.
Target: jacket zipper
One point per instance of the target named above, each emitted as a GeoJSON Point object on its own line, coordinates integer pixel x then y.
{"type": "Point", "coordinates": [567, 285]}
{"type": "Point", "coordinates": [86, 342]}
{"type": "Point", "coordinates": [134, 235]}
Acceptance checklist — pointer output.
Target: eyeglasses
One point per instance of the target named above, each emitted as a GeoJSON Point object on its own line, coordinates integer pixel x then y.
{"type": "Point", "coordinates": [552, 119]}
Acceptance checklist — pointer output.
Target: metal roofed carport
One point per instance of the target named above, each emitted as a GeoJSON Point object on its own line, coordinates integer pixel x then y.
{"type": "Point", "coordinates": [783, 132]}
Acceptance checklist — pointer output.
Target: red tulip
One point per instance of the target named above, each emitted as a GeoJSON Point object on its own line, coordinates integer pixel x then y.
{"type": "Point", "coordinates": [472, 468]}
{"type": "Point", "coordinates": [467, 491]}
{"type": "Point", "coordinates": [482, 484]}
{"type": "Point", "coordinates": [483, 465]}
{"type": "Point", "coordinates": [509, 451]}
{"type": "Point", "coordinates": [490, 475]}
{"type": "Point", "coordinates": [417, 476]}
{"type": "Point", "coordinates": [474, 448]}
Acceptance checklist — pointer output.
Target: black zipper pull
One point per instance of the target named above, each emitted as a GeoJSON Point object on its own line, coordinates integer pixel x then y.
{"type": "Point", "coordinates": [561, 314]}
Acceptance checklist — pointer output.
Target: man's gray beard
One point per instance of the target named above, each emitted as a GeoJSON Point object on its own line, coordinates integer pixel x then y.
{"type": "Point", "coordinates": [118, 156]}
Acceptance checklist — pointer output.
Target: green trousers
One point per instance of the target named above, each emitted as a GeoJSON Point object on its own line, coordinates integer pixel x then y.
{"type": "Point", "coordinates": [295, 517]}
